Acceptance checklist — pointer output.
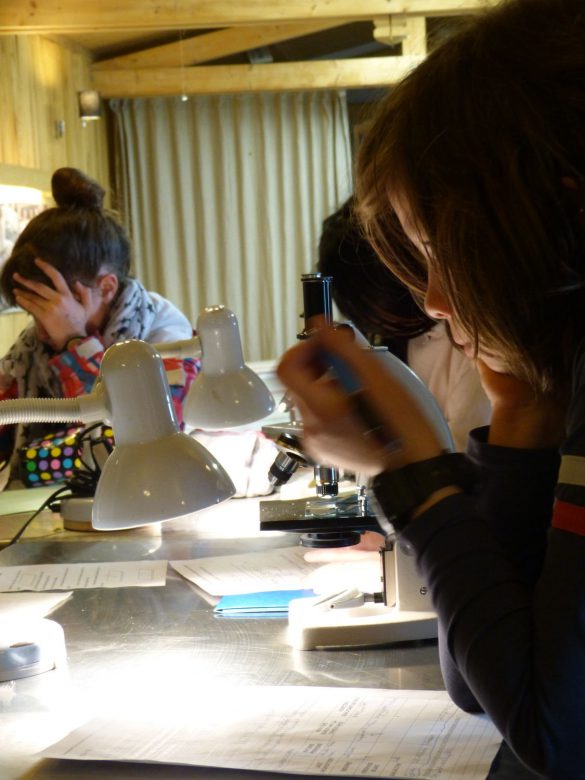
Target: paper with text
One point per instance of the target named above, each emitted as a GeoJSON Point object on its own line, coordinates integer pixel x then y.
{"type": "Point", "coordinates": [71, 576]}
{"type": "Point", "coordinates": [282, 568]}
{"type": "Point", "coordinates": [301, 730]}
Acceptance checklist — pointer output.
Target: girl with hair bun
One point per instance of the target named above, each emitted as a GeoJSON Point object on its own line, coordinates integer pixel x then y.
{"type": "Point", "coordinates": [69, 269]}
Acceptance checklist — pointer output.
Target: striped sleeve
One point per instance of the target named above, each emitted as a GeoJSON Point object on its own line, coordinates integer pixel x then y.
{"type": "Point", "coordinates": [78, 366]}
{"type": "Point", "coordinates": [569, 508]}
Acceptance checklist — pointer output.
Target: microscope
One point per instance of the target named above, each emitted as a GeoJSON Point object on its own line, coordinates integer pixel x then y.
{"type": "Point", "coordinates": [400, 609]}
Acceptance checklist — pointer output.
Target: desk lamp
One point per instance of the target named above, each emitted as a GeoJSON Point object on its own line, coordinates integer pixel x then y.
{"type": "Point", "coordinates": [155, 472]}
{"type": "Point", "coordinates": [227, 393]}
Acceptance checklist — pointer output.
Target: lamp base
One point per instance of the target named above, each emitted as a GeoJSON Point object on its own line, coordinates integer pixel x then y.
{"type": "Point", "coordinates": [76, 514]}
{"type": "Point", "coordinates": [310, 627]}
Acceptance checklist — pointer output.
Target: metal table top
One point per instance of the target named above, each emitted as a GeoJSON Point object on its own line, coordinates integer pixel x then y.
{"type": "Point", "coordinates": [164, 638]}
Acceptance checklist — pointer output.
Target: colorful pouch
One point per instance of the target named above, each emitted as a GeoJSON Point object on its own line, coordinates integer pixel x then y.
{"type": "Point", "coordinates": [55, 457]}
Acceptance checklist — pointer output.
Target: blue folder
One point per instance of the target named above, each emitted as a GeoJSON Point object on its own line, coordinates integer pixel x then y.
{"type": "Point", "coordinates": [272, 602]}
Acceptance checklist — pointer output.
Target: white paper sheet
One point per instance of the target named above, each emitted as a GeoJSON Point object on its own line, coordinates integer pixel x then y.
{"type": "Point", "coordinates": [71, 576]}
{"type": "Point", "coordinates": [279, 569]}
{"type": "Point", "coordinates": [29, 605]}
{"type": "Point", "coordinates": [325, 731]}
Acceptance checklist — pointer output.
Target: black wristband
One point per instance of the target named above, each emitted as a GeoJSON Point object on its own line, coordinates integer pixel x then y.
{"type": "Point", "coordinates": [397, 493]}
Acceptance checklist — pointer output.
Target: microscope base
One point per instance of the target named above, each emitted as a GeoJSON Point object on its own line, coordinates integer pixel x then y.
{"type": "Point", "coordinates": [310, 627]}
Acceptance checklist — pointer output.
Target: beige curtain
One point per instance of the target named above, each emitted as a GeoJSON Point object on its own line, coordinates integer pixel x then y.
{"type": "Point", "coordinates": [225, 196]}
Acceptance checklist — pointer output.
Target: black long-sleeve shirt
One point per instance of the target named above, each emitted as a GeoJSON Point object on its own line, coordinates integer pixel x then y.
{"type": "Point", "coordinates": [509, 588]}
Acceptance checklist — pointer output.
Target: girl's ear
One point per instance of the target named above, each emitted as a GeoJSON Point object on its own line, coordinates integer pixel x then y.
{"type": "Point", "coordinates": [108, 286]}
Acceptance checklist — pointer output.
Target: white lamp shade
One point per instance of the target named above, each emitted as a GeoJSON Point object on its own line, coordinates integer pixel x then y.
{"type": "Point", "coordinates": [226, 393]}
{"type": "Point", "coordinates": [155, 472]}
{"type": "Point", "coordinates": [142, 484]}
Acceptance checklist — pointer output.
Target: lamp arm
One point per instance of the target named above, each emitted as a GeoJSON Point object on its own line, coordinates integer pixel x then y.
{"type": "Point", "coordinates": [85, 408]}
{"type": "Point", "coordinates": [185, 348]}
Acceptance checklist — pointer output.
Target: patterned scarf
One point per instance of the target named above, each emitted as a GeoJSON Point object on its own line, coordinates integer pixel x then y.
{"type": "Point", "coordinates": [27, 361]}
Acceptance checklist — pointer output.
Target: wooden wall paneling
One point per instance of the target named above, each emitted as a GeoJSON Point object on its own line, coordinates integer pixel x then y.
{"type": "Point", "coordinates": [12, 99]}
{"type": "Point", "coordinates": [41, 79]}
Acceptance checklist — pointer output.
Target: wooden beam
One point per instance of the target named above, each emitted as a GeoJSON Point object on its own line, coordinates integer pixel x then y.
{"type": "Point", "coordinates": [211, 46]}
{"type": "Point", "coordinates": [275, 77]}
{"type": "Point", "coordinates": [69, 16]}
{"type": "Point", "coordinates": [410, 31]}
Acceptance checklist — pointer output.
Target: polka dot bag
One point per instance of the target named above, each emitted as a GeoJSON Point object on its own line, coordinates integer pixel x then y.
{"type": "Point", "coordinates": [54, 458]}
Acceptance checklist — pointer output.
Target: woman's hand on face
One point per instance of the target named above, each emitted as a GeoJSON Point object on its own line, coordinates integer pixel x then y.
{"type": "Point", "coordinates": [333, 433]}
{"type": "Point", "coordinates": [60, 312]}
{"type": "Point", "coordinates": [504, 391]}
{"type": "Point", "coordinates": [520, 416]}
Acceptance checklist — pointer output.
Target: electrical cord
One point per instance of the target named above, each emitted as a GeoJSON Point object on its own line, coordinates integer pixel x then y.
{"type": "Point", "coordinates": [84, 481]}
{"type": "Point", "coordinates": [48, 503]}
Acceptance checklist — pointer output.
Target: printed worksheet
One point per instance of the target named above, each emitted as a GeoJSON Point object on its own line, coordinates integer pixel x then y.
{"type": "Point", "coordinates": [300, 730]}
{"type": "Point", "coordinates": [283, 568]}
{"type": "Point", "coordinates": [72, 576]}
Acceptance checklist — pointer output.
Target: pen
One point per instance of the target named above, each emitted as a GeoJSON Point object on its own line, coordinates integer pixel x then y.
{"type": "Point", "coordinates": [373, 427]}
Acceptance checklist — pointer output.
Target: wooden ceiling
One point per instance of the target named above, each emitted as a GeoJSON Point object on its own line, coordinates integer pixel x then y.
{"type": "Point", "coordinates": [166, 47]}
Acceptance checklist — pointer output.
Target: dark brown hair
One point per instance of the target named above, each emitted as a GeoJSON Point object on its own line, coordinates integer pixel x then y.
{"type": "Point", "coordinates": [480, 142]}
{"type": "Point", "coordinates": [364, 289]}
{"type": "Point", "coordinates": [78, 236]}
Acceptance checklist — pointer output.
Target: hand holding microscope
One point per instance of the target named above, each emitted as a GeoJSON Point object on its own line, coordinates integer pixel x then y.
{"type": "Point", "coordinates": [400, 610]}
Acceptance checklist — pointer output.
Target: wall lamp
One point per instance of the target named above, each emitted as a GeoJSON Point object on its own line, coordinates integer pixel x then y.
{"type": "Point", "coordinates": [90, 104]}
{"type": "Point", "coordinates": [155, 472]}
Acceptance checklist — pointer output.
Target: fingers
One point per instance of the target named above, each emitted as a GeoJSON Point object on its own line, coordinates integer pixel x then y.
{"type": "Point", "coordinates": [41, 289]}
{"type": "Point", "coordinates": [82, 293]}
{"type": "Point", "coordinates": [317, 360]}
{"type": "Point", "coordinates": [366, 549]}
{"type": "Point", "coordinates": [61, 311]}
{"type": "Point", "coordinates": [28, 302]}
{"type": "Point", "coordinates": [54, 275]}
{"type": "Point", "coordinates": [303, 370]}
{"type": "Point", "coordinates": [332, 432]}
{"type": "Point", "coordinates": [384, 389]}
{"type": "Point", "coordinates": [30, 286]}
{"type": "Point", "coordinates": [305, 362]}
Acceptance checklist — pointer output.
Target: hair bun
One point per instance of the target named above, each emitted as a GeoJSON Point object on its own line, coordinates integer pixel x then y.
{"type": "Point", "coordinates": [72, 188]}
